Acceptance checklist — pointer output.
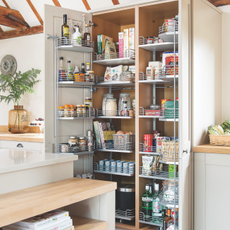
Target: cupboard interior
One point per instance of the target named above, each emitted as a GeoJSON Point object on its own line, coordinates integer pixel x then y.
{"type": "Point", "coordinates": [110, 24]}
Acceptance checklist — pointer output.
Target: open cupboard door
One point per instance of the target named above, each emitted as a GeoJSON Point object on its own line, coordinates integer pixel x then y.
{"type": "Point", "coordinates": [185, 165]}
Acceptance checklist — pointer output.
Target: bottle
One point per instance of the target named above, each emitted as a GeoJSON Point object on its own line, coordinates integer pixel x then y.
{"type": "Point", "coordinates": [69, 71]}
{"type": "Point", "coordinates": [76, 74]}
{"type": "Point", "coordinates": [87, 67]}
{"type": "Point", "coordinates": [65, 31]}
{"type": "Point", "coordinates": [82, 73]}
{"type": "Point", "coordinates": [147, 202]}
{"type": "Point", "coordinates": [167, 219]}
{"type": "Point", "coordinates": [173, 222]}
{"type": "Point", "coordinates": [156, 207]}
{"type": "Point", "coordinates": [76, 36]}
{"type": "Point", "coordinates": [87, 37]}
{"type": "Point", "coordinates": [83, 30]}
{"type": "Point", "coordinates": [90, 140]}
{"type": "Point", "coordinates": [61, 70]}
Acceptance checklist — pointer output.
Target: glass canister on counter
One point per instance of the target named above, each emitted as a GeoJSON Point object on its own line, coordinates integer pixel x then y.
{"type": "Point", "coordinates": [105, 97]}
{"type": "Point", "coordinates": [124, 97]}
{"type": "Point", "coordinates": [111, 107]}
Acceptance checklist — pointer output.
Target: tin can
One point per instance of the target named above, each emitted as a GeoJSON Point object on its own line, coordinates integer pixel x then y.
{"type": "Point", "coordinates": [148, 140]}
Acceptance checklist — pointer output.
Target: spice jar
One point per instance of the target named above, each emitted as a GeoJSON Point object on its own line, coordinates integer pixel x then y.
{"type": "Point", "coordinates": [61, 111]}
{"type": "Point", "coordinates": [88, 101]}
{"type": "Point", "coordinates": [82, 77]}
{"type": "Point", "coordinates": [66, 111]}
{"type": "Point", "coordinates": [73, 140]}
{"type": "Point", "coordinates": [149, 40]}
{"type": "Point", "coordinates": [87, 77]}
{"type": "Point", "coordinates": [91, 74]}
{"type": "Point", "coordinates": [131, 112]}
{"type": "Point", "coordinates": [71, 110]}
{"type": "Point", "coordinates": [82, 143]}
{"type": "Point", "coordinates": [83, 109]}
{"type": "Point", "coordinates": [79, 111]}
{"type": "Point", "coordinates": [64, 147]}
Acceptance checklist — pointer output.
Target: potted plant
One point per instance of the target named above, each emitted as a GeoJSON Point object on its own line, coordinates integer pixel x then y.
{"type": "Point", "coordinates": [16, 85]}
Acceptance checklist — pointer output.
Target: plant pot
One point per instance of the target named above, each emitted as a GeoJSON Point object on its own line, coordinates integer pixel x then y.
{"type": "Point", "coordinates": [18, 120]}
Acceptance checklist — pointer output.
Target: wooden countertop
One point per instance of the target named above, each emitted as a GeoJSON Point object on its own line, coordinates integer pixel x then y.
{"type": "Point", "coordinates": [207, 148]}
{"type": "Point", "coordinates": [26, 203]}
{"type": "Point", "coordinates": [28, 137]}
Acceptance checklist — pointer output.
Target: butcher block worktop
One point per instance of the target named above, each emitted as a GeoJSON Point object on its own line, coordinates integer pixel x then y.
{"type": "Point", "coordinates": [207, 148]}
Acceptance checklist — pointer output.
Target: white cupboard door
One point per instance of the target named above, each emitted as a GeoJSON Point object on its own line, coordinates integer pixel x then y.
{"type": "Point", "coordinates": [185, 174]}
{"type": "Point", "coordinates": [54, 95]}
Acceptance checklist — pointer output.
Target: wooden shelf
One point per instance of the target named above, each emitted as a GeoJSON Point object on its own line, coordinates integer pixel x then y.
{"type": "Point", "coordinates": [26, 203]}
{"type": "Point", "coordinates": [82, 223]}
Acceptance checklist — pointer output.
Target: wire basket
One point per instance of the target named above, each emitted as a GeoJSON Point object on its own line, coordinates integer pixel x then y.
{"type": "Point", "coordinates": [121, 141]}
{"type": "Point", "coordinates": [221, 140]}
{"type": "Point", "coordinates": [63, 41]}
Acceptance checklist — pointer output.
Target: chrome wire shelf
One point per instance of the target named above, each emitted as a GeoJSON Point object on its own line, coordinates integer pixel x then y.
{"type": "Point", "coordinates": [148, 150]}
{"type": "Point", "coordinates": [129, 214]}
{"type": "Point", "coordinates": [150, 220]}
{"type": "Point", "coordinates": [159, 175]}
{"type": "Point", "coordinates": [115, 114]}
{"type": "Point", "coordinates": [64, 148]}
{"type": "Point", "coordinates": [72, 114]}
{"type": "Point", "coordinates": [127, 147]}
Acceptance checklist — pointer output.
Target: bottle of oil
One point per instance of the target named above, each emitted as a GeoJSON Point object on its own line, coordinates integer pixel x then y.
{"type": "Point", "coordinates": [65, 31]}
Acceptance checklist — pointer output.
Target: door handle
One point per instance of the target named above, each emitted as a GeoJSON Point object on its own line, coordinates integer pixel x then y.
{"type": "Point", "coordinates": [19, 145]}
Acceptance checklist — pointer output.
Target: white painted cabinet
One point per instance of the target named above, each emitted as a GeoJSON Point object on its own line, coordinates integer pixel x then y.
{"type": "Point", "coordinates": [211, 191]}
{"type": "Point", "coordinates": [23, 145]}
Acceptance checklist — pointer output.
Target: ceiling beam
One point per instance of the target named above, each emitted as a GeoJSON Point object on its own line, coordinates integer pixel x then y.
{"type": "Point", "coordinates": [115, 2]}
{"type": "Point", "coordinates": [17, 33]}
{"type": "Point", "coordinates": [1, 30]}
{"type": "Point", "coordinates": [56, 3]}
{"type": "Point", "coordinates": [12, 18]}
{"type": "Point", "coordinates": [35, 11]}
{"type": "Point", "coordinates": [5, 3]}
{"type": "Point", "coordinates": [220, 2]}
{"type": "Point", "coordinates": [87, 6]}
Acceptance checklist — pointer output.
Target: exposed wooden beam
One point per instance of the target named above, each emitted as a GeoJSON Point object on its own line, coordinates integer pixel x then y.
{"type": "Point", "coordinates": [17, 33]}
{"type": "Point", "coordinates": [7, 20]}
{"type": "Point", "coordinates": [17, 19]}
{"type": "Point", "coordinates": [220, 2]}
{"type": "Point", "coordinates": [1, 30]}
{"type": "Point", "coordinates": [5, 3]}
{"type": "Point", "coordinates": [115, 2]}
{"type": "Point", "coordinates": [56, 3]}
{"type": "Point", "coordinates": [35, 11]}
{"type": "Point", "coordinates": [86, 4]}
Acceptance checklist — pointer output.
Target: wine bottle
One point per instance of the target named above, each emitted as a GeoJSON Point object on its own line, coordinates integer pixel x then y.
{"type": "Point", "coordinates": [65, 31]}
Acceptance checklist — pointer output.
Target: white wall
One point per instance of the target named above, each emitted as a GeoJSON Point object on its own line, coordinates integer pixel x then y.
{"type": "Point", "coordinates": [225, 62]}
{"type": "Point", "coordinates": [29, 53]}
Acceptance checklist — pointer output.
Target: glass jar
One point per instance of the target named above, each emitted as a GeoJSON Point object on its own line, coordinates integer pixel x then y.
{"type": "Point", "coordinates": [83, 109]}
{"type": "Point", "coordinates": [18, 120]}
{"type": "Point", "coordinates": [64, 147]}
{"type": "Point", "coordinates": [170, 191]}
{"type": "Point", "coordinates": [79, 111]}
{"type": "Point", "coordinates": [88, 101]}
{"type": "Point", "coordinates": [105, 97]}
{"type": "Point", "coordinates": [124, 97]}
{"type": "Point", "coordinates": [127, 75]}
{"type": "Point", "coordinates": [66, 111]}
{"type": "Point", "coordinates": [87, 77]}
{"type": "Point", "coordinates": [91, 74]}
{"type": "Point", "coordinates": [82, 143]}
{"type": "Point", "coordinates": [111, 107]}
{"type": "Point", "coordinates": [149, 40]}
{"type": "Point", "coordinates": [73, 140]}
{"type": "Point", "coordinates": [61, 111]}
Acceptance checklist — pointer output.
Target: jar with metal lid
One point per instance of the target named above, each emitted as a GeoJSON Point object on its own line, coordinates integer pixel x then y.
{"type": "Point", "coordinates": [88, 101]}
{"type": "Point", "coordinates": [84, 114]}
{"type": "Point", "coordinates": [111, 107]}
{"type": "Point", "coordinates": [64, 147]}
{"type": "Point", "coordinates": [73, 140]}
{"type": "Point", "coordinates": [149, 40]}
{"type": "Point", "coordinates": [82, 143]}
{"type": "Point", "coordinates": [79, 110]}
{"type": "Point", "coordinates": [61, 111]}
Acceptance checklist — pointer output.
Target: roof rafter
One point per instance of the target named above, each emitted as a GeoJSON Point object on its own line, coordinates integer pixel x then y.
{"type": "Point", "coordinates": [17, 33]}
{"type": "Point", "coordinates": [115, 2]}
{"type": "Point", "coordinates": [220, 2]}
{"type": "Point", "coordinates": [12, 18]}
{"type": "Point", "coordinates": [35, 11]}
{"type": "Point", "coordinates": [56, 3]}
{"type": "Point", "coordinates": [87, 6]}
{"type": "Point", "coordinates": [5, 3]}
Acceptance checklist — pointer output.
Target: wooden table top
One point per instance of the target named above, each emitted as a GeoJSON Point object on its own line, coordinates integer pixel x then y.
{"type": "Point", "coordinates": [26, 203]}
{"type": "Point", "coordinates": [207, 148]}
{"type": "Point", "coordinates": [28, 137]}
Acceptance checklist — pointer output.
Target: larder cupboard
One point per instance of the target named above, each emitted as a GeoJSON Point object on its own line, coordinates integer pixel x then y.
{"type": "Point", "coordinates": [198, 45]}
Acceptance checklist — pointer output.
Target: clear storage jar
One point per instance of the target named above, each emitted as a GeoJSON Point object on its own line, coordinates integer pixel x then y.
{"type": "Point", "coordinates": [124, 97]}
{"type": "Point", "coordinates": [111, 107]}
{"type": "Point", "coordinates": [105, 97]}
{"type": "Point", "coordinates": [170, 191]}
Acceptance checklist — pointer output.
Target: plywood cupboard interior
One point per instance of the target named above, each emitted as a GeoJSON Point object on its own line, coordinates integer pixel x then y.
{"type": "Point", "coordinates": [146, 19]}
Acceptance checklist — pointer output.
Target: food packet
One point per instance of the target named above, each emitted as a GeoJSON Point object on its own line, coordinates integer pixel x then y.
{"type": "Point", "coordinates": [110, 50]}
{"type": "Point", "coordinates": [147, 162]}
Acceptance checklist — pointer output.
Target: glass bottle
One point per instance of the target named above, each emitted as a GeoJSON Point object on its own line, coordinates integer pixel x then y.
{"type": "Point", "coordinates": [87, 37]}
{"type": "Point", "coordinates": [65, 31]}
{"type": "Point", "coordinates": [76, 36]}
{"type": "Point", "coordinates": [83, 30]}
{"type": "Point", "coordinates": [69, 73]}
{"type": "Point", "coordinates": [82, 73]}
{"type": "Point", "coordinates": [18, 120]}
{"type": "Point", "coordinates": [87, 67]}
{"type": "Point", "coordinates": [156, 207]}
{"type": "Point", "coordinates": [61, 70]}
{"type": "Point", "coordinates": [173, 221]}
{"type": "Point", "coordinates": [147, 202]}
{"type": "Point", "coordinates": [167, 219]}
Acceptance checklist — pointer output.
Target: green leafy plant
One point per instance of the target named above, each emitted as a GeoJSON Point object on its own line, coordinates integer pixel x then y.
{"type": "Point", "coordinates": [17, 85]}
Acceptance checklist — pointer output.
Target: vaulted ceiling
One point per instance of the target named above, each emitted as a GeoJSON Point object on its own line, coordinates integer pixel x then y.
{"type": "Point", "coordinates": [24, 17]}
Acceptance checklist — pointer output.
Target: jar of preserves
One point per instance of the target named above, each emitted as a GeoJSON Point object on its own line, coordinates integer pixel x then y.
{"type": "Point", "coordinates": [111, 107]}
{"type": "Point", "coordinates": [82, 143]}
{"type": "Point", "coordinates": [91, 74]}
{"type": "Point", "coordinates": [71, 110]}
{"type": "Point", "coordinates": [88, 101]}
{"type": "Point", "coordinates": [87, 77]}
{"type": "Point", "coordinates": [79, 111]}
{"type": "Point", "coordinates": [83, 109]}
{"type": "Point", "coordinates": [149, 40]}
{"type": "Point", "coordinates": [131, 112]}
{"type": "Point", "coordinates": [64, 147]}
{"type": "Point", "coordinates": [66, 111]}
{"type": "Point", "coordinates": [73, 141]}
{"type": "Point", "coordinates": [61, 111]}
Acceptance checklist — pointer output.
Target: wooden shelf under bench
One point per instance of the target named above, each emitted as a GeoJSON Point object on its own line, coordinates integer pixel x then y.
{"type": "Point", "coordinates": [22, 204]}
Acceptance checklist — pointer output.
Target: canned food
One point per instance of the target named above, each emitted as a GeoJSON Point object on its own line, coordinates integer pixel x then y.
{"type": "Point", "coordinates": [148, 140]}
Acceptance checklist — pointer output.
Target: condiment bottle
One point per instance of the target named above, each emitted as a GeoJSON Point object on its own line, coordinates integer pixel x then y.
{"type": "Point", "coordinates": [83, 29]}
{"type": "Point", "coordinates": [82, 73]}
{"type": "Point", "coordinates": [69, 73]}
{"type": "Point", "coordinates": [61, 70]}
{"type": "Point", "coordinates": [76, 36]}
{"type": "Point", "coordinates": [87, 37]}
{"type": "Point", "coordinates": [90, 140]}
{"type": "Point", "coordinates": [76, 74]}
{"type": "Point", "coordinates": [167, 219]}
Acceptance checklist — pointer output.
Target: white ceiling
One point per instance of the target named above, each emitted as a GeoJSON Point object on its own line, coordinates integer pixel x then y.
{"type": "Point", "coordinates": [96, 5]}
